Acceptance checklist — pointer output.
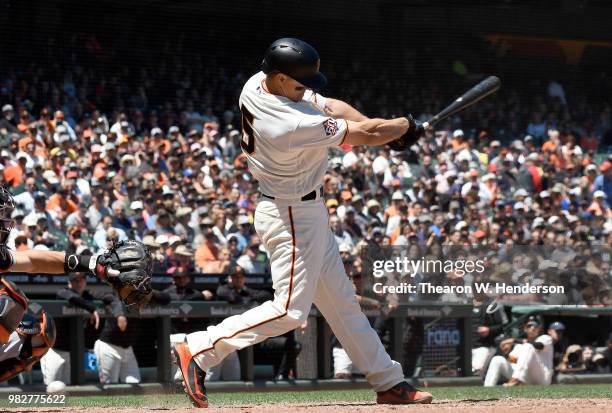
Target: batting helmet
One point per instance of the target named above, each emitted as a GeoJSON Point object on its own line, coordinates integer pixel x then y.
{"type": "Point", "coordinates": [296, 59]}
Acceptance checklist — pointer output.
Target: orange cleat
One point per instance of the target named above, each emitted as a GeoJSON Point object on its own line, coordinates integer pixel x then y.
{"type": "Point", "coordinates": [403, 393]}
{"type": "Point", "coordinates": [193, 375]}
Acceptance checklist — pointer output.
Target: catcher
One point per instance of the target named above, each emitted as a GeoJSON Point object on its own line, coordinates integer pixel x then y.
{"type": "Point", "coordinates": [126, 267]}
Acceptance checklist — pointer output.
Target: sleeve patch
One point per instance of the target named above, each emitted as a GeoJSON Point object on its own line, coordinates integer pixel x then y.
{"type": "Point", "coordinates": [331, 126]}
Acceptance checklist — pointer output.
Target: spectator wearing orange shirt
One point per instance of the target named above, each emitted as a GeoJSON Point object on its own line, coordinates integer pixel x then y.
{"type": "Point", "coordinates": [60, 205]}
{"type": "Point", "coordinates": [24, 121]}
{"type": "Point", "coordinates": [14, 174]}
{"type": "Point", "coordinates": [459, 142]}
{"type": "Point", "coordinates": [207, 254]}
{"type": "Point", "coordinates": [553, 141]}
{"type": "Point", "coordinates": [158, 142]}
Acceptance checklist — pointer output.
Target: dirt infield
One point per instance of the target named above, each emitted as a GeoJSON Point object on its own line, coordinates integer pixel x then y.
{"type": "Point", "coordinates": [473, 406]}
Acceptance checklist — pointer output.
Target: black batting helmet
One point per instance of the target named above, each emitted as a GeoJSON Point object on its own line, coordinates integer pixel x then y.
{"type": "Point", "coordinates": [297, 59]}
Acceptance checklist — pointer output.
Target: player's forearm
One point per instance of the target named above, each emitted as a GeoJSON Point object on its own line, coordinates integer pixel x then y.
{"type": "Point", "coordinates": [32, 261]}
{"type": "Point", "coordinates": [51, 262]}
{"type": "Point", "coordinates": [342, 110]}
{"type": "Point", "coordinates": [376, 132]}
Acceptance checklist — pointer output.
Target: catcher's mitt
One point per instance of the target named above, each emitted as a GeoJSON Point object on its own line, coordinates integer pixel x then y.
{"type": "Point", "coordinates": [133, 261]}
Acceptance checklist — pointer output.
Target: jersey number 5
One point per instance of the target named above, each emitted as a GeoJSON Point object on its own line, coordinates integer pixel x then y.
{"type": "Point", "coordinates": [247, 143]}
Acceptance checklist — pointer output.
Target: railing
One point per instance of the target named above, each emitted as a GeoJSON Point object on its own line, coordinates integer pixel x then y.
{"type": "Point", "coordinates": [215, 310]}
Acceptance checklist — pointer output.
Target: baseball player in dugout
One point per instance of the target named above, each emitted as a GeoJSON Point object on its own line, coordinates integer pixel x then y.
{"type": "Point", "coordinates": [523, 361]}
{"type": "Point", "coordinates": [288, 128]}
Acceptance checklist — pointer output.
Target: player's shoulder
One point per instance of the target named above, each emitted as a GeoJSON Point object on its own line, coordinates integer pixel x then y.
{"type": "Point", "coordinates": [253, 85]}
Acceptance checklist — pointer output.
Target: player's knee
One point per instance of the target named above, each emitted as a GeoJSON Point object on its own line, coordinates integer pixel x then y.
{"type": "Point", "coordinates": [293, 322]}
{"type": "Point", "coordinates": [497, 361]}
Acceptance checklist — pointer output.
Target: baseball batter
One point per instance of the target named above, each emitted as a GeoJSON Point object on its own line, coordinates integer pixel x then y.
{"type": "Point", "coordinates": [287, 131]}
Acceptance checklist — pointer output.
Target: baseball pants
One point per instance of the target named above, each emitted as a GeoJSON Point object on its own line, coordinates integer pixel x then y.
{"type": "Point", "coordinates": [306, 267]}
{"type": "Point", "coordinates": [481, 356]}
{"type": "Point", "coordinates": [342, 362]}
{"type": "Point", "coordinates": [527, 368]}
{"type": "Point", "coordinates": [116, 363]}
{"type": "Point", "coordinates": [55, 366]}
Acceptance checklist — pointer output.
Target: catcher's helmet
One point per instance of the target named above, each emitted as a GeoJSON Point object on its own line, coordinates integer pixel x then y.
{"type": "Point", "coordinates": [296, 59]}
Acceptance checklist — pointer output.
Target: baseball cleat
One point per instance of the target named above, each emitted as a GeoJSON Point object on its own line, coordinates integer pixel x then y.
{"type": "Point", "coordinates": [513, 382]}
{"type": "Point", "coordinates": [193, 375]}
{"type": "Point", "coordinates": [403, 393]}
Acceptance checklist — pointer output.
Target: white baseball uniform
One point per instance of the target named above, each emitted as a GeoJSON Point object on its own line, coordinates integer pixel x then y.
{"type": "Point", "coordinates": [286, 144]}
{"type": "Point", "coordinates": [532, 366]}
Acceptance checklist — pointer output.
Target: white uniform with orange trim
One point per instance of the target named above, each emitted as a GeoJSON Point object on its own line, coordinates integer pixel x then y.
{"type": "Point", "coordinates": [286, 144]}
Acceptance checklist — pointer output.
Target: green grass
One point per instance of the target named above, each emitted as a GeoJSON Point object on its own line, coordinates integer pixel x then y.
{"type": "Point", "coordinates": [228, 399]}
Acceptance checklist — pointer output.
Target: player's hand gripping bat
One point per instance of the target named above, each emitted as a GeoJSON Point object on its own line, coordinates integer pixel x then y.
{"type": "Point", "coordinates": [416, 129]}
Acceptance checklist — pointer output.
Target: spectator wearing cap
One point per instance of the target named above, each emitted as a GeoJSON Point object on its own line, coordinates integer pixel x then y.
{"type": "Point", "coordinates": [237, 292]}
{"type": "Point", "coordinates": [163, 222]}
{"type": "Point", "coordinates": [207, 254]}
{"type": "Point", "coordinates": [458, 140]}
{"type": "Point", "coordinates": [397, 201]}
{"type": "Point", "coordinates": [373, 212]}
{"type": "Point", "coordinates": [55, 365]}
{"type": "Point", "coordinates": [354, 227]}
{"type": "Point", "coordinates": [138, 228]}
{"type": "Point", "coordinates": [182, 289]}
{"type": "Point", "coordinates": [158, 142]}
{"type": "Point", "coordinates": [160, 263]}
{"type": "Point", "coordinates": [556, 330]}
{"type": "Point", "coordinates": [14, 173]}
{"type": "Point", "coordinates": [472, 184]}
{"type": "Point", "coordinates": [599, 207]}
{"type": "Point", "coordinates": [40, 203]}
{"type": "Point", "coordinates": [181, 260]}
{"type": "Point", "coordinates": [603, 182]}
{"type": "Point", "coordinates": [253, 260]}
{"type": "Point", "coordinates": [182, 227]}
{"type": "Point", "coordinates": [7, 122]}
{"type": "Point", "coordinates": [531, 174]}
{"type": "Point", "coordinates": [244, 233]}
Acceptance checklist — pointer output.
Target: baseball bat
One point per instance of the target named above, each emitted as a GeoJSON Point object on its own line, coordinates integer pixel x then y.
{"type": "Point", "coordinates": [480, 91]}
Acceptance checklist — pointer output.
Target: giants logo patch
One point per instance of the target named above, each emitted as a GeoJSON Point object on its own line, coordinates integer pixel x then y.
{"type": "Point", "coordinates": [331, 126]}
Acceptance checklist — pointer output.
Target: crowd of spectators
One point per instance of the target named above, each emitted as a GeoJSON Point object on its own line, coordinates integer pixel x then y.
{"type": "Point", "coordinates": [92, 159]}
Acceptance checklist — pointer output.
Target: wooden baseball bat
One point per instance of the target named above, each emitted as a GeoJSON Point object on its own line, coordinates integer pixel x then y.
{"type": "Point", "coordinates": [480, 91]}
